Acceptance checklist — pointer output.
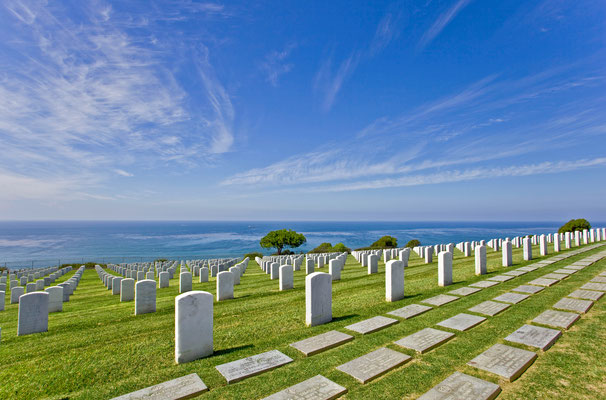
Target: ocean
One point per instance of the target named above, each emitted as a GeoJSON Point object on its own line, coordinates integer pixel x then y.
{"type": "Point", "coordinates": [27, 244]}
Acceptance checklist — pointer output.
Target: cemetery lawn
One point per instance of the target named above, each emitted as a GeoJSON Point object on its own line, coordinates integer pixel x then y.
{"type": "Point", "coordinates": [97, 349]}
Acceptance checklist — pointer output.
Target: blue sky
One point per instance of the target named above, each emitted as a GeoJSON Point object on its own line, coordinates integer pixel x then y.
{"type": "Point", "coordinates": [415, 110]}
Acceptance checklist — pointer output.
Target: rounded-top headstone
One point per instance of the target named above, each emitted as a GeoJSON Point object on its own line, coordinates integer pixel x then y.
{"type": "Point", "coordinates": [193, 326]}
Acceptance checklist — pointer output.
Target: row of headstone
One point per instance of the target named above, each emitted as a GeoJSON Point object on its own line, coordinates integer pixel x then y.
{"type": "Point", "coordinates": [35, 307]}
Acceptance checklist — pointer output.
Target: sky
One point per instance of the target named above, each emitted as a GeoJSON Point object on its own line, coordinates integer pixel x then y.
{"type": "Point", "coordinates": [289, 110]}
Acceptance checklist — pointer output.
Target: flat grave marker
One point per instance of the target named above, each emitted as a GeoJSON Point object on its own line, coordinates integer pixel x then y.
{"type": "Point", "coordinates": [505, 361]}
{"type": "Point", "coordinates": [372, 325]}
{"type": "Point", "coordinates": [535, 336]}
{"type": "Point", "coordinates": [500, 278]}
{"type": "Point", "coordinates": [186, 387]}
{"type": "Point", "coordinates": [484, 284]}
{"type": "Point", "coordinates": [530, 289]}
{"type": "Point", "coordinates": [586, 294]}
{"type": "Point", "coordinates": [490, 308]}
{"type": "Point", "coordinates": [543, 282]}
{"type": "Point", "coordinates": [513, 298]}
{"type": "Point", "coordinates": [595, 286]}
{"type": "Point", "coordinates": [425, 340]}
{"type": "Point", "coordinates": [558, 277]}
{"type": "Point", "coordinates": [599, 279]}
{"type": "Point", "coordinates": [459, 386]}
{"type": "Point", "coordinates": [515, 272]}
{"type": "Point", "coordinates": [238, 370]}
{"type": "Point", "coordinates": [374, 364]}
{"type": "Point", "coordinates": [461, 322]}
{"type": "Point", "coordinates": [319, 343]}
{"type": "Point", "coordinates": [464, 291]}
{"type": "Point", "coordinates": [576, 305]}
{"type": "Point", "coordinates": [440, 299]}
{"type": "Point", "coordinates": [557, 319]}
{"type": "Point", "coordinates": [410, 311]}
{"type": "Point", "coordinates": [316, 388]}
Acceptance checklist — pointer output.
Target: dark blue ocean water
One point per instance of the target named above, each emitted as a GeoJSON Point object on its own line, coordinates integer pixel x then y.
{"type": "Point", "coordinates": [128, 241]}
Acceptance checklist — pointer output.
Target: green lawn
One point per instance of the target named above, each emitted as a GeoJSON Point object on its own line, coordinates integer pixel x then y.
{"type": "Point", "coordinates": [97, 349]}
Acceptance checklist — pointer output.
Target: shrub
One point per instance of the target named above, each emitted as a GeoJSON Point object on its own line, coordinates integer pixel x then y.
{"type": "Point", "coordinates": [413, 243]}
{"type": "Point", "coordinates": [385, 242]}
{"type": "Point", "coordinates": [329, 248]}
{"type": "Point", "coordinates": [575, 225]}
{"type": "Point", "coordinates": [341, 248]}
{"type": "Point", "coordinates": [252, 255]}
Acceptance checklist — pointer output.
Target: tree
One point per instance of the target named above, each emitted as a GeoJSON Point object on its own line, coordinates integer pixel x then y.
{"type": "Point", "coordinates": [413, 243]}
{"type": "Point", "coordinates": [341, 248]}
{"type": "Point", "coordinates": [384, 242]}
{"type": "Point", "coordinates": [575, 225]}
{"type": "Point", "coordinates": [282, 238]}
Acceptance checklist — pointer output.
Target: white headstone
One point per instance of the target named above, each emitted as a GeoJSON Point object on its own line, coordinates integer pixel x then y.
{"type": "Point", "coordinates": [445, 268]}
{"type": "Point", "coordinates": [225, 286]}
{"type": "Point", "coordinates": [163, 279]}
{"type": "Point", "coordinates": [55, 298]}
{"type": "Point", "coordinates": [334, 269]}
{"type": "Point", "coordinates": [185, 282]}
{"type": "Point", "coordinates": [203, 274]}
{"type": "Point", "coordinates": [373, 264]}
{"type": "Point", "coordinates": [394, 280]}
{"type": "Point", "coordinates": [507, 256]}
{"type": "Point", "coordinates": [193, 326]}
{"type": "Point", "coordinates": [127, 289]}
{"type": "Point", "coordinates": [527, 249]}
{"type": "Point", "coordinates": [33, 313]}
{"type": "Point", "coordinates": [286, 277]}
{"type": "Point", "coordinates": [145, 296]}
{"type": "Point", "coordinates": [318, 298]}
{"type": "Point", "coordinates": [480, 260]}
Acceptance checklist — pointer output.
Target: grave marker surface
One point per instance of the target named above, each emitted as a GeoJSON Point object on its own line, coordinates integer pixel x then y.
{"type": "Point", "coordinates": [394, 280]}
{"type": "Point", "coordinates": [16, 292]}
{"type": "Point", "coordinates": [464, 291]}
{"type": "Point", "coordinates": [374, 364]}
{"type": "Point", "coordinates": [461, 322]}
{"type": "Point", "coordinates": [440, 299]}
{"type": "Point", "coordinates": [586, 294]}
{"type": "Point", "coordinates": [500, 278]}
{"type": "Point", "coordinates": [528, 289]}
{"type": "Point", "coordinates": [576, 305]}
{"type": "Point", "coordinates": [543, 282]}
{"type": "Point", "coordinates": [238, 370]}
{"type": "Point", "coordinates": [319, 343]}
{"type": "Point", "coordinates": [557, 319]}
{"type": "Point", "coordinates": [595, 286]}
{"type": "Point", "coordinates": [33, 313]}
{"type": "Point", "coordinates": [484, 284]}
{"type": "Point", "coordinates": [505, 361]}
{"type": "Point", "coordinates": [459, 386]}
{"type": "Point", "coordinates": [490, 308]}
{"type": "Point", "coordinates": [513, 298]}
{"type": "Point", "coordinates": [186, 387]}
{"type": "Point", "coordinates": [316, 388]}
{"type": "Point", "coordinates": [410, 311]}
{"type": "Point", "coordinates": [425, 340]}
{"type": "Point", "coordinates": [371, 325]}
{"type": "Point", "coordinates": [535, 336]}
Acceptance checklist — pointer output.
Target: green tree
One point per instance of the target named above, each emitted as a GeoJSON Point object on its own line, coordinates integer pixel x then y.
{"type": "Point", "coordinates": [341, 248]}
{"type": "Point", "coordinates": [385, 242]}
{"type": "Point", "coordinates": [575, 225]}
{"type": "Point", "coordinates": [322, 248]}
{"type": "Point", "coordinates": [413, 243]}
{"type": "Point", "coordinates": [282, 238]}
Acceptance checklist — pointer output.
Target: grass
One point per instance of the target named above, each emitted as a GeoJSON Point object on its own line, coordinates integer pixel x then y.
{"type": "Point", "coordinates": [97, 349]}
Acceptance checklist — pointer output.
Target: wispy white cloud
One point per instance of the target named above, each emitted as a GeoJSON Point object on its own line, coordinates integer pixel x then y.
{"type": "Point", "coordinates": [388, 29]}
{"type": "Point", "coordinates": [441, 22]}
{"type": "Point", "coordinates": [122, 172]}
{"type": "Point", "coordinates": [329, 80]}
{"type": "Point", "coordinates": [92, 94]}
{"type": "Point", "coordinates": [454, 176]}
{"type": "Point", "coordinates": [275, 64]}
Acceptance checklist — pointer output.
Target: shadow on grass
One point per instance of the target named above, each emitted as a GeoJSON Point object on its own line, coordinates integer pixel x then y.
{"type": "Point", "coordinates": [232, 349]}
{"type": "Point", "coordinates": [344, 317]}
